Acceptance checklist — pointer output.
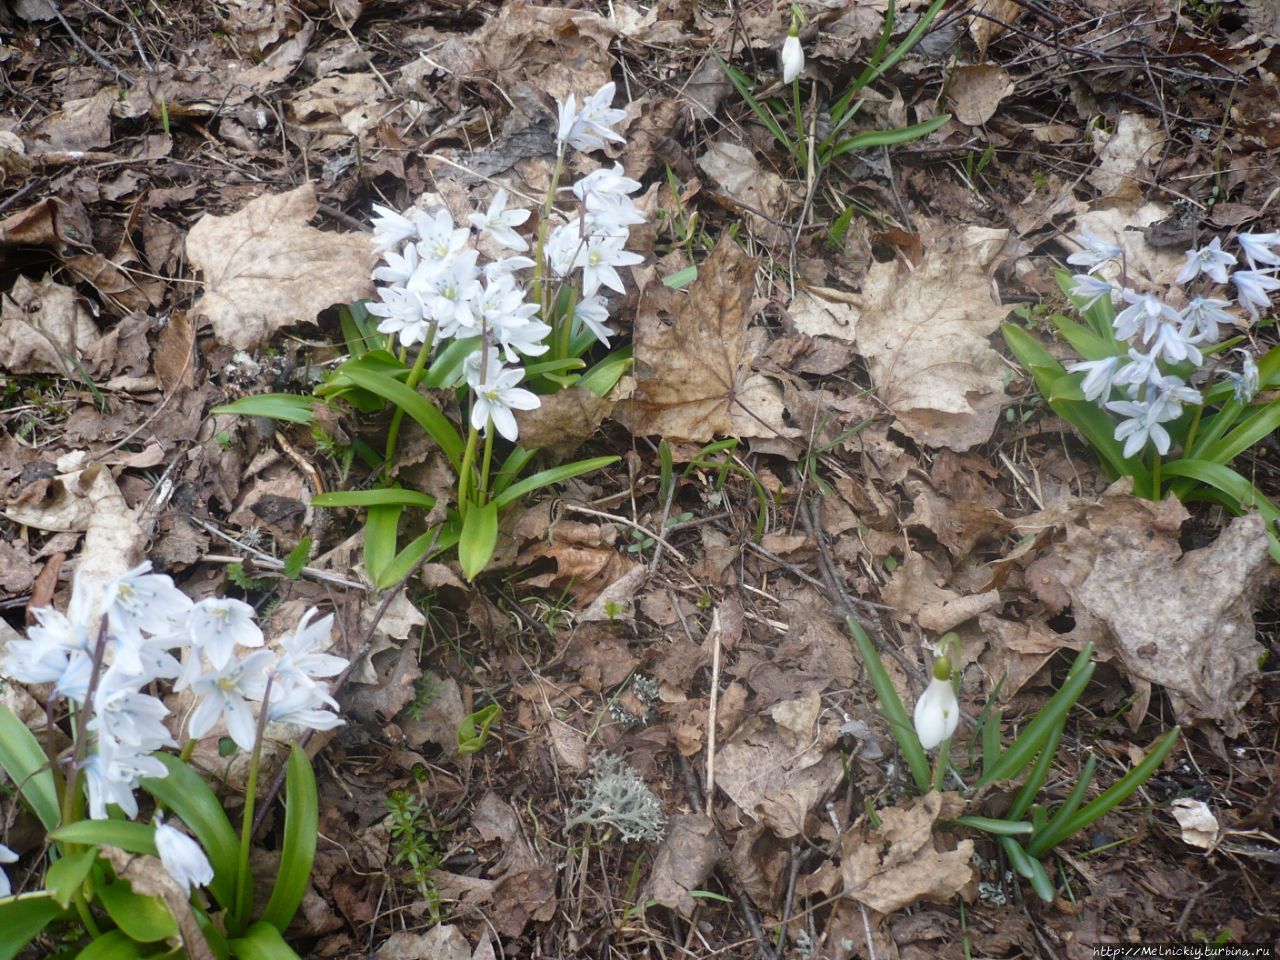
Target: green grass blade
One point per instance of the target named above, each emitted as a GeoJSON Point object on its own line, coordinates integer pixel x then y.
{"type": "Point", "coordinates": [301, 823]}
{"type": "Point", "coordinates": [28, 767]}
{"type": "Point", "coordinates": [1252, 430]}
{"type": "Point", "coordinates": [434, 542]}
{"type": "Point", "coordinates": [289, 407]}
{"type": "Point", "coordinates": [1035, 780]}
{"type": "Point", "coordinates": [904, 732]}
{"type": "Point", "coordinates": [1072, 803]}
{"type": "Point", "coordinates": [997, 828]}
{"type": "Point", "coordinates": [1028, 867]}
{"type": "Point", "coordinates": [114, 945]}
{"type": "Point", "coordinates": [545, 478]}
{"type": "Point", "coordinates": [1236, 487]}
{"type": "Point", "coordinates": [739, 81]}
{"type": "Point", "coordinates": [887, 138]}
{"type": "Point", "coordinates": [383, 497]}
{"type": "Point", "coordinates": [512, 467]}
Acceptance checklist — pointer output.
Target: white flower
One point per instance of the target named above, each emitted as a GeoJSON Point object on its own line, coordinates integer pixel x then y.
{"type": "Point", "coordinates": [1257, 248]}
{"type": "Point", "coordinates": [55, 648]}
{"type": "Point", "coordinates": [400, 266]}
{"type": "Point", "coordinates": [563, 246]}
{"type": "Point", "coordinates": [937, 713]}
{"type": "Point", "coordinates": [1144, 312]}
{"type": "Point", "coordinates": [593, 313]}
{"type": "Point", "coordinates": [1142, 425]}
{"type": "Point", "coordinates": [390, 229]}
{"type": "Point", "coordinates": [302, 705]}
{"type": "Point", "coordinates": [223, 694]}
{"type": "Point", "coordinates": [402, 313]}
{"type": "Point", "coordinates": [605, 187]}
{"type": "Point", "coordinates": [496, 395]}
{"type": "Point", "coordinates": [1098, 379]}
{"type": "Point", "coordinates": [183, 859]}
{"type": "Point", "coordinates": [1245, 383]}
{"type": "Point", "coordinates": [1171, 344]}
{"type": "Point", "coordinates": [445, 293]}
{"type": "Point", "coordinates": [1255, 289]}
{"type": "Point", "coordinates": [567, 116]}
{"type": "Point", "coordinates": [130, 718]}
{"type": "Point", "coordinates": [1203, 315]}
{"type": "Point", "coordinates": [598, 261]}
{"type": "Point", "coordinates": [507, 265]}
{"type": "Point", "coordinates": [1169, 393]}
{"type": "Point", "coordinates": [440, 240]}
{"type": "Point", "coordinates": [499, 222]}
{"type": "Point", "coordinates": [1095, 250]}
{"type": "Point", "coordinates": [791, 57]}
{"type": "Point", "coordinates": [1140, 369]}
{"type": "Point", "coordinates": [112, 774]}
{"type": "Point", "coordinates": [588, 128]}
{"type": "Point", "coordinates": [219, 624]}
{"type": "Point", "coordinates": [1091, 288]}
{"type": "Point", "coordinates": [303, 659]}
{"type": "Point", "coordinates": [139, 601]}
{"type": "Point", "coordinates": [1211, 260]}
{"type": "Point", "coordinates": [6, 856]}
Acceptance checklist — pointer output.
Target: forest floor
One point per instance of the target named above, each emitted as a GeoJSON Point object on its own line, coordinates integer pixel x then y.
{"type": "Point", "coordinates": [895, 462]}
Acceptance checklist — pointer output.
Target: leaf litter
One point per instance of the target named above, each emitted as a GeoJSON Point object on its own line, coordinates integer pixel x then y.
{"type": "Point", "coordinates": [957, 503]}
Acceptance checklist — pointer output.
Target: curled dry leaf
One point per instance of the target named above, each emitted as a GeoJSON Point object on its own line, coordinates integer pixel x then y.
{"type": "Point", "coordinates": [689, 852]}
{"type": "Point", "coordinates": [977, 91]}
{"type": "Point", "coordinates": [1199, 825]}
{"type": "Point", "coordinates": [693, 374]}
{"type": "Point", "coordinates": [43, 328]}
{"type": "Point", "coordinates": [265, 268]}
{"type": "Point", "coordinates": [1126, 155]}
{"type": "Point", "coordinates": [897, 863]}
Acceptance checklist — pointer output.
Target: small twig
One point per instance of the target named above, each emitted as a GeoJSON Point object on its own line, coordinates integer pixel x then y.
{"type": "Point", "coordinates": [574, 508]}
{"type": "Point", "coordinates": [93, 54]}
{"type": "Point", "coordinates": [716, 633]}
{"type": "Point", "coordinates": [269, 561]}
{"type": "Point", "coordinates": [795, 571]}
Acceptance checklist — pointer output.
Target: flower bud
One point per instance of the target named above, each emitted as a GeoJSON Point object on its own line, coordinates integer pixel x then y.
{"type": "Point", "coordinates": [937, 712]}
{"type": "Point", "coordinates": [792, 56]}
{"type": "Point", "coordinates": [182, 858]}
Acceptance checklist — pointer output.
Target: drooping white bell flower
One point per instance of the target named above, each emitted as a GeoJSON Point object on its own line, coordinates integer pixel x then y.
{"type": "Point", "coordinates": [183, 859]}
{"type": "Point", "coordinates": [937, 711]}
{"type": "Point", "coordinates": [792, 55]}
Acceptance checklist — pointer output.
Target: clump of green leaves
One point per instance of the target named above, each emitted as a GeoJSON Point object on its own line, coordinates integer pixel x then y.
{"type": "Point", "coordinates": [413, 845]}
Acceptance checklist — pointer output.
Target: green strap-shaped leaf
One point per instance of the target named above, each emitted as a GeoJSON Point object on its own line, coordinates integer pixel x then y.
{"type": "Point", "coordinates": [381, 527]}
{"type": "Point", "coordinates": [28, 767]}
{"type": "Point", "coordinates": [435, 541]}
{"type": "Point", "coordinates": [887, 138]}
{"type": "Point", "coordinates": [415, 405]}
{"type": "Point", "coordinates": [290, 407]}
{"type": "Point", "coordinates": [145, 919]}
{"type": "Point", "coordinates": [383, 497]}
{"type": "Point", "coordinates": [301, 822]}
{"type": "Point", "coordinates": [262, 941]}
{"type": "Point", "coordinates": [66, 875]}
{"type": "Point", "coordinates": [22, 918]}
{"type": "Point", "coordinates": [545, 478]}
{"type": "Point", "coordinates": [114, 945]}
{"type": "Point", "coordinates": [478, 539]}
{"type": "Point", "coordinates": [1234, 486]}
{"type": "Point", "coordinates": [1028, 867]}
{"type": "Point", "coordinates": [1254, 428]}
{"type": "Point", "coordinates": [185, 793]}
{"type": "Point", "coordinates": [128, 836]}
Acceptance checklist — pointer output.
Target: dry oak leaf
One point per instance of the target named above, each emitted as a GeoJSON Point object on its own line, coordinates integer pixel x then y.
{"type": "Point", "coordinates": [896, 864]}
{"type": "Point", "coordinates": [693, 374]}
{"type": "Point", "coordinates": [1126, 156]}
{"type": "Point", "coordinates": [924, 334]}
{"type": "Point", "coordinates": [44, 328]}
{"type": "Point", "coordinates": [265, 268]}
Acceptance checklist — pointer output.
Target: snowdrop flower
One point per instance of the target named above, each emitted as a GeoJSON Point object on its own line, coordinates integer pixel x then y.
{"type": "Point", "coordinates": [140, 601]}
{"type": "Point", "coordinates": [183, 859]}
{"type": "Point", "coordinates": [496, 395]}
{"type": "Point", "coordinates": [440, 240]}
{"type": "Point", "coordinates": [402, 313]}
{"type": "Point", "coordinates": [303, 659]}
{"type": "Point", "coordinates": [1091, 288]}
{"type": "Point", "coordinates": [1099, 376]}
{"type": "Point", "coordinates": [1257, 248]}
{"type": "Point", "coordinates": [1254, 288]}
{"type": "Point", "coordinates": [400, 266]}
{"type": "Point", "coordinates": [1203, 315]}
{"type": "Point", "coordinates": [223, 694]}
{"type": "Point", "coordinates": [593, 313]}
{"type": "Point", "coordinates": [6, 856]}
{"type": "Point", "coordinates": [1144, 313]}
{"type": "Point", "coordinates": [937, 712]}
{"type": "Point", "coordinates": [1211, 260]}
{"type": "Point", "coordinates": [302, 705]}
{"type": "Point", "coordinates": [499, 222]}
{"type": "Point", "coordinates": [219, 624]}
{"type": "Point", "coordinates": [792, 55]}
{"type": "Point", "coordinates": [599, 260]}
{"type": "Point", "coordinates": [1094, 250]}
{"type": "Point", "coordinates": [390, 229]}
{"type": "Point", "coordinates": [588, 128]}
{"type": "Point", "coordinates": [1142, 425]}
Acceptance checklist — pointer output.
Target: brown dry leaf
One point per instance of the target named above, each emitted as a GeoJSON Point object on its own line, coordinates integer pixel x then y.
{"type": "Point", "coordinates": [896, 864]}
{"type": "Point", "coordinates": [1126, 155]}
{"type": "Point", "coordinates": [79, 125]}
{"type": "Point", "coordinates": [984, 30]}
{"type": "Point", "coordinates": [439, 720]}
{"type": "Point", "coordinates": [740, 175]}
{"type": "Point", "coordinates": [442, 942]}
{"type": "Point", "coordinates": [924, 334]}
{"type": "Point", "coordinates": [775, 769]}
{"type": "Point", "coordinates": [336, 108]}
{"type": "Point", "coordinates": [977, 91]}
{"type": "Point", "coordinates": [43, 328]}
{"type": "Point", "coordinates": [1198, 824]}
{"type": "Point", "coordinates": [586, 560]}
{"type": "Point", "coordinates": [558, 50]}
{"type": "Point", "coordinates": [265, 268]}
{"type": "Point", "coordinates": [693, 375]}
{"type": "Point", "coordinates": [564, 419]}
{"type": "Point", "coordinates": [1264, 18]}
{"type": "Point", "coordinates": [1121, 223]}
{"type": "Point", "coordinates": [521, 897]}
{"type": "Point", "coordinates": [914, 591]}
{"type": "Point", "coordinates": [689, 852]}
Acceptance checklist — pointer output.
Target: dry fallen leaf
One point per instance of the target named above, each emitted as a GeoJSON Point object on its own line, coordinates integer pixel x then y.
{"type": "Point", "coordinates": [739, 173]}
{"type": "Point", "coordinates": [998, 13]}
{"type": "Point", "coordinates": [1199, 825]}
{"type": "Point", "coordinates": [689, 852]}
{"type": "Point", "coordinates": [43, 328]}
{"type": "Point", "coordinates": [896, 864]}
{"type": "Point", "coordinates": [265, 268]}
{"type": "Point", "coordinates": [693, 375]}
{"type": "Point", "coordinates": [1126, 155]}
{"type": "Point", "coordinates": [1120, 223]}
{"type": "Point", "coordinates": [977, 91]}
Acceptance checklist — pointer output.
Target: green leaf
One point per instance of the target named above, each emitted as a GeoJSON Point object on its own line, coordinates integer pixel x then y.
{"type": "Point", "coordinates": [900, 725]}
{"type": "Point", "coordinates": [1040, 729]}
{"type": "Point", "coordinates": [605, 375]}
{"type": "Point", "coordinates": [185, 793]}
{"type": "Point", "coordinates": [681, 278]}
{"type": "Point", "coordinates": [22, 918]}
{"type": "Point", "coordinates": [262, 941]}
{"type": "Point", "coordinates": [435, 423]}
{"type": "Point", "coordinates": [1030, 352]}
{"type": "Point", "coordinates": [381, 527]}
{"type": "Point", "coordinates": [1064, 397]}
{"type": "Point", "coordinates": [479, 537]}
{"type": "Point", "coordinates": [991, 737]}
{"type": "Point", "coordinates": [446, 370]}
{"type": "Point", "coordinates": [297, 558]}
{"type": "Point", "coordinates": [1029, 868]}
{"type": "Point", "coordinates": [473, 730]}
{"type": "Point", "coordinates": [144, 918]}
{"type": "Point", "coordinates": [28, 767]}
{"type": "Point", "coordinates": [1085, 342]}
{"type": "Point", "coordinates": [998, 828]}
{"type": "Point", "coordinates": [666, 471]}
{"type": "Point", "coordinates": [290, 407]}
{"type": "Point", "coordinates": [301, 823]}
{"type": "Point", "coordinates": [742, 85]}
{"type": "Point", "coordinates": [435, 541]}
{"type": "Point", "coordinates": [1073, 801]}
{"type": "Point", "coordinates": [545, 478]}
{"type": "Point", "coordinates": [1039, 773]}
{"type": "Point", "coordinates": [887, 138]}
{"type": "Point", "coordinates": [512, 467]}
{"type": "Point", "coordinates": [65, 875]}
{"type": "Point", "coordinates": [125, 834]}
{"type": "Point", "coordinates": [1234, 486]}
{"type": "Point", "coordinates": [382, 497]}
{"type": "Point", "coordinates": [114, 945]}
{"type": "Point", "coordinates": [1262, 424]}
{"type": "Point", "coordinates": [1116, 794]}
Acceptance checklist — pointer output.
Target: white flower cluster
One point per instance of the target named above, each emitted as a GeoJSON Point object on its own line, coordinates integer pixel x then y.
{"type": "Point", "coordinates": [434, 287]}
{"type": "Point", "coordinates": [149, 630]}
{"type": "Point", "coordinates": [1158, 333]}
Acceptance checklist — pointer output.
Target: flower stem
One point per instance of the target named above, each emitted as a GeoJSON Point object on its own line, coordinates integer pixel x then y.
{"type": "Point", "coordinates": [486, 461]}
{"type": "Point", "coordinates": [244, 879]}
{"type": "Point", "coordinates": [1155, 474]}
{"type": "Point", "coordinates": [800, 138]}
{"type": "Point", "coordinates": [1191, 433]}
{"type": "Point", "coordinates": [539, 259]}
{"type": "Point", "coordinates": [941, 762]}
{"type": "Point", "coordinates": [464, 475]}
{"type": "Point", "coordinates": [69, 804]}
{"type": "Point", "coordinates": [415, 375]}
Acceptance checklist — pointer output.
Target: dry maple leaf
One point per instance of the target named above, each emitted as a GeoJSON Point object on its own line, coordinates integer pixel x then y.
{"type": "Point", "coordinates": [265, 268]}
{"type": "Point", "coordinates": [693, 374]}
